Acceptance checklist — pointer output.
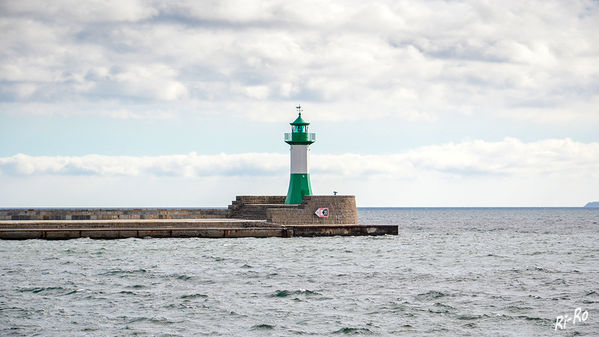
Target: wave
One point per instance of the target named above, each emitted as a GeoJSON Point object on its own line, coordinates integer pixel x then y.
{"type": "Point", "coordinates": [192, 296]}
{"type": "Point", "coordinates": [430, 295]}
{"type": "Point", "coordinates": [286, 293]}
{"type": "Point", "coordinates": [353, 331]}
{"type": "Point", "coordinates": [263, 327]}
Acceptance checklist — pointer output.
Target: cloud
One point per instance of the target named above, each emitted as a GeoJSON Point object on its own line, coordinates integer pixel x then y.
{"type": "Point", "coordinates": [152, 81]}
{"type": "Point", "coordinates": [190, 165]}
{"type": "Point", "coordinates": [508, 158]}
{"type": "Point", "coordinates": [535, 62]}
{"type": "Point", "coordinates": [91, 11]}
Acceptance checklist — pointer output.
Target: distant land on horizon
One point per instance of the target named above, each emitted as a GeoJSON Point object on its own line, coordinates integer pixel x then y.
{"type": "Point", "coordinates": [592, 204]}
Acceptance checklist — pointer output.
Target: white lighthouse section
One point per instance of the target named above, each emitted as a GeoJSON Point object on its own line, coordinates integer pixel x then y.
{"type": "Point", "coordinates": [299, 159]}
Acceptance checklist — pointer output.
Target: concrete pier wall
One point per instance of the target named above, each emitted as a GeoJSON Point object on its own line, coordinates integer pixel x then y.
{"type": "Point", "coordinates": [342, 210]}
{"type": "Point", "coordinates": [105, 233]}
{"type": "Point", "coordinates": [112, 214]}
{"type": "Point", "coordinates": [244, 206]}
{"type": "Point", "coordinates": [201, 232]}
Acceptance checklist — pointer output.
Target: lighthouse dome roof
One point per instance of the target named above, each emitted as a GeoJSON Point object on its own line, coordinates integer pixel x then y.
{"type": "Point", "coordinates": [299, 120]}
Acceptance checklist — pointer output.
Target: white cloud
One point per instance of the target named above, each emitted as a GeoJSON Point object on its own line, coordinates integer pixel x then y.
{"type": "Point", "coordinates": [552, 172]}
{"type": "Point", "coordinates": [88, 11]}
{"type": "Point", "coordinates": [153, 81]}
{"type": "Point", "coordinates": [120, 113]}
{"type": "Point", "coordinates": [415, 60]}
{"type": "Point", "coordinates": [510, 157]}
{"type": "Point", "coordinates": [190, 165]}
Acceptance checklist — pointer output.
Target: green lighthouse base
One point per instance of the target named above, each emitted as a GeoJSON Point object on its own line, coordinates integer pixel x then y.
{"type": "Point", "coordinates": [299, 186]}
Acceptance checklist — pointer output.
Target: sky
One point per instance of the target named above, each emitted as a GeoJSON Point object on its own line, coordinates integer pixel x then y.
{"type": "Point", "coordinates": [184, 103]}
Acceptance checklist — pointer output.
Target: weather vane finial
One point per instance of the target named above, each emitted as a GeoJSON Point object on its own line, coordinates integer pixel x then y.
{"type": "Point", "coordinates": [299, 109]}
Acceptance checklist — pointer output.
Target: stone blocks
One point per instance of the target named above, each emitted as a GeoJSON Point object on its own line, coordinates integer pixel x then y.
{"type": "Point", "coordinates": [112, 214]}
{"type": "Point", "coordinates": [342, 210]}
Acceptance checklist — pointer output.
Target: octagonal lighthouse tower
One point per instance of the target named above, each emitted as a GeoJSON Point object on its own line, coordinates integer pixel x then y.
{"type": "Point", "coordinates": [300, 140]}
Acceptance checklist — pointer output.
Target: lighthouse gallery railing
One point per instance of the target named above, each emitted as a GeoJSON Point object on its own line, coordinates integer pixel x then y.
{"type": "Point", "coordinates": [311, 137]}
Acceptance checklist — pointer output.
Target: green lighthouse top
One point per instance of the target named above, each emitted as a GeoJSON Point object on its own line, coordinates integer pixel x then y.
{"type": "Point", "coordinates": [299, 120]}
{"type": "Point", "coordinates": [299, 131]}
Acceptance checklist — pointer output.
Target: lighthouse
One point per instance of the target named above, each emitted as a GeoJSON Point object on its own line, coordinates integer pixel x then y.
{"type": "Point", "coordinates": [299, 139]}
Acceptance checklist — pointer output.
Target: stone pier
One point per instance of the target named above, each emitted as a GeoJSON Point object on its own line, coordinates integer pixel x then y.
{"type": "Point", "coordinates": [247, 216]}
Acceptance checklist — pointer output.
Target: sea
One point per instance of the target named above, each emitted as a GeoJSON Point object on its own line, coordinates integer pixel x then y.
{"type": "Point", "coordinates": [449, 272]}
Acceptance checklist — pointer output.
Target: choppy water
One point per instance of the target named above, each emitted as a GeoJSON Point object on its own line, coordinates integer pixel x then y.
{"type": "Point", "coordinates": [478, 272]}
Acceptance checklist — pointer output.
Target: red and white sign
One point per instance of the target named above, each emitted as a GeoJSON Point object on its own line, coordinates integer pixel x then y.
{"type": "Point", "coordinates": [322, 212]}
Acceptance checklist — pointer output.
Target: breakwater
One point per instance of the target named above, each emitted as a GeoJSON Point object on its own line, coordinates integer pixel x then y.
{"type": "Point", "coordinates": [247, 216]}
